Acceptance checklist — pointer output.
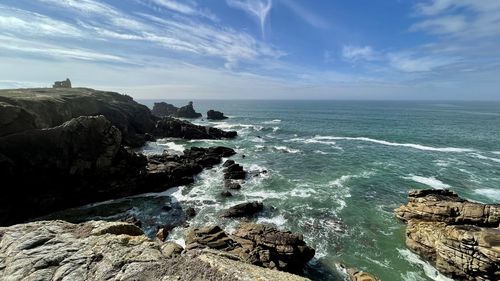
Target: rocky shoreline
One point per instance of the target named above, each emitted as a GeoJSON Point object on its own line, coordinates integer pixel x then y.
{"type": "Point", "coordinates": [63, 148]}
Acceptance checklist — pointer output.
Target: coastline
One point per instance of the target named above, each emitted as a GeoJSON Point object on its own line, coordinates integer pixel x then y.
{"type": "Point", "coordinates": [284, 151]}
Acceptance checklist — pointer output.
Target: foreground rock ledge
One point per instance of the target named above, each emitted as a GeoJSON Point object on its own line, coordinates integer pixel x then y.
{"type": "Point", "coordinates": [97, 250]}
{"type": "Point", "coordinates": [461, 238]}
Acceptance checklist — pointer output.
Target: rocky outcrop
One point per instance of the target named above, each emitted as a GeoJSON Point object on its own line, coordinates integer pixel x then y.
{"type": "Point", "coordinates": [82, 161]}
{"type": "Point", "coordinates": [187, 111]}
{"type": "Point", "coordinates": [27, 109]}
{"type": "Point", "coordinates": [354, 274]}
{"type": "Point", "coordinates": [215, 115]}
{"type": "Point", "coordinates": [163, 109]}
{"type": "Point", "coordinates": [233, 171]}
{"type": "Point", "coordinates": [461, 238]}
{"type": "Point", "coordinates": [243, 210]}
{"type": "Point", "coordinates": [175, 128]}
{"type": "Point", "coordinates": [96, 250]}
{"type": "Point", "coordinates": [256, 244]}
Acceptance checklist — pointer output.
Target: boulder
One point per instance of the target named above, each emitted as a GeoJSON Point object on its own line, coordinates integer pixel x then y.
{"type": "Point", "coordinates": [96, 250]}
{"type": "Point", "coordinates": [233, 171]}
{"type": "Point", "coordinates": [163, 109]}
{"type": "Point", "coordinates": [255, 244]}
{"type": "Point", "coordinates": [231, 184]}
{"type": "Point", "coordinates": [215, 115]}
{"type": "Point", "coordinates": [243, 210]}
{"type": "Point", "coordinates": [187, 111]}
{"type": "Point", "coordinates": [226, 193]}
{"type": "Point", "coordinates": [461, 238]}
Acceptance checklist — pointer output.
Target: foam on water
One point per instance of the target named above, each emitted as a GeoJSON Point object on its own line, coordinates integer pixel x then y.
{"type": "Point", "coordinates": [320, 152]}
{"type": "Point", "coordinates": [287, 149]}
{"type": "Point", "coordinates": [410, 145]}
{"type": "Point", "coordinates": [315, 140]}
{"type": "Point", "coordinates": [275, 121]}
{"type": "Point", "coordinates": [482, 157]}
{"type": "Point", "coordinates": [430, 181]}
{"type": "Point", "coordinates": [279, 221]}
{"type": "Point", "coordinates": [491, 193]}
{"type": "Point", "coordinates": [172, 146]}
{"type": "Point", "coordinates": [429, 270]}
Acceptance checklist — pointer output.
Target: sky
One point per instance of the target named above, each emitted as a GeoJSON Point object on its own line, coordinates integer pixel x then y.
{"type": "Point", "coordinates": [256, 49]}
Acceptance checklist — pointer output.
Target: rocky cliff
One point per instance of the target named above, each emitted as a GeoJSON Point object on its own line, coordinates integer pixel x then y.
{"type": "Point", "coordinates": [96, 250]}
{"type": "Point", "coordinates": [83, 161]}
{"type": "Point", "coordinates": [25, 109]}
{"type": "Point", "coordinates": [461, 238]}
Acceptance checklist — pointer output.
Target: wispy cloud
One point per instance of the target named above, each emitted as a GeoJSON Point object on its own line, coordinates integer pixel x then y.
{"type": "Point", "coordinates": [184, 7]}
{"type": "Point", "coordinates": [305, 14]}
{"type": "Point", "coordinates": [408, 62]}
{"type": "Point", "coordinates": [259, 9]}
{"type": "Point", "coordinates": [355, 53]}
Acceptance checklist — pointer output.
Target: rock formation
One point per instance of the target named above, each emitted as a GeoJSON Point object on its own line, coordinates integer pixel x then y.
{"type": "Point", "coordinates": [83, 161]}
{"type": "Point", "coordinates": [215, 115]}
{"type": "Point", "coordinates": [461, 238]}
{"type": "Point", "coordinates": [175, 128]}
{"type": "Point", "coordinates": [62, 84]}
{"type": "Point", "coordinates": [163, 109]}
{"type": "Point", "coordinates": [187, 111]}
{"type": "Point", "coordinates": [96, 250]}
{"type": "Point", "coordinates": [26, 109]}
{"type": "Point", "coordinates": [256, 244]}
{"type": "Point", "coordinates": [233, 171]}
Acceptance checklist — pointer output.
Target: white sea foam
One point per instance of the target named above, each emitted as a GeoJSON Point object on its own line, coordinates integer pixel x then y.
{"type": "Point", "coordinates": [410, 145]}
{"type": "Point", "coordinates": [275, 121]}
{"type": "Point", "coordinates": [496, 152]}
{"type": "Point", "coordinates": [275, 129]}
{"type": "Point", "coordinates": [320, 152]}
{"type": "Point", "coordinates": [430, 181]}
{"type": "Point", "coordinates": [489, 192]}
{"type": "Point", "coordinates": [287, 149]}
{"type": "Point", "coordinates": [429, 270]}
{"type": "Point", "coordinates": [258, 146]}
{"type": "Point", "coordinates": [172, 146]}
{"type": "Point", "coordinates": [442, 163]}
{"type": "Point", "coordinates": [315, 140]}
{"type": "Point", "coordinates": [480, 156]}
{"type": "Point", "coordinates": [278, 221]}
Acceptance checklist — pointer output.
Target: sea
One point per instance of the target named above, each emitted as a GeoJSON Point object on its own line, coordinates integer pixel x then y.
{"type": "Point", "coordinates": [336, 170]}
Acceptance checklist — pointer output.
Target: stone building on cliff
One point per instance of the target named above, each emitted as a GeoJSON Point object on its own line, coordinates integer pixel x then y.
{"type": "Point", "coordinates": [62, 84]}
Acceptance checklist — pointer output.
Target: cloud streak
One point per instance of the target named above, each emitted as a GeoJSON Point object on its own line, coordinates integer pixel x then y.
{"type": "Point", "coordinates": [259, 9]}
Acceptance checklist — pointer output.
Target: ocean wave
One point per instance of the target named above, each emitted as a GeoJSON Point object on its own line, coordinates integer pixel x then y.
{"type": "Point", "coordinates": [491, 193]}
{"type": "Point", "coordinates": [496, 152]}
{"type": "Point", "coordinates": [430, 181]}
{"type": "Point", "coordinates": [287, 149]}
{"type": "Point", "coordinates": [279, 221]}
{"type": "Point", "coordinates": [275, 129]}
{"type": "Point", "coordinates": [172, 146]}
{"type": "Point", "coordinates": [275, 121]}
{"type": "Point", "coordinates": [320, 152]}
{"type": "Point", "coordinates": [410, 145]}
{"type": "Point", "coordinates": [429, 270]}
{"type": "Point", "coordinates": [315, 140]}
{"type": "Point", "coordinates": [482, 157]}
{"type": "Point", "coordinates": [238, 127]}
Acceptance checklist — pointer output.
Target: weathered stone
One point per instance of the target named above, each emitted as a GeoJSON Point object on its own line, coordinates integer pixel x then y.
{"type": "Point", "coordinates": [256, 244]}
{"type": "Point", "coordinates": [460, 238]}
{"type": "Point", "coordinates": [57, 250]}
{"type": "Point", "coordinates": [62, 84]}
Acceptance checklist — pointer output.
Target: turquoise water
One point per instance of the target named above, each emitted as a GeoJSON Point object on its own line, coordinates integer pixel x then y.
{"type": "Point", "coordinates": [337, 169]}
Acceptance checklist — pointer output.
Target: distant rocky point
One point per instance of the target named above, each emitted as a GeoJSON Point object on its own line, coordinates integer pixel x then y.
{"type": "Point", "coordinates": [187, 111]}
{"type": "Point", "coordinates": [215, 115]}
{"type": "Point", "coordinates": [163, 109]}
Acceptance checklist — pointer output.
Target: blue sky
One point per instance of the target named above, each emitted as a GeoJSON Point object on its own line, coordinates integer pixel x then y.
{"type": "Point", "coordinates": [257, 49]}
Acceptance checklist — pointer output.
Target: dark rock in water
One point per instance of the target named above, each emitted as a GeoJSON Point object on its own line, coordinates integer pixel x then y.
{"type": "Point", "coordinates": [187, 111]}
{"type": "Point", "coordinates": [243, 210]}
{"type": "Point", "coordinates": [255, 244]}
{"type": "Point", "coordinates": [226, 193]}
{"type": "Point", "coordinates": [459, 237]}
{"type": "Point", "coordinates": [175, 128]}
{"type": "Point", "coordinates": [357, 275]}
{"type": "Point", "coordinates": [215, 115]}
{"type": "Point", "coordinates": [233, 171]}
{"type": "Point", "coordinates": [231, 184]}
{"type": "Point", "coordinates": [190, 212]}
{"type": "Point", "coordinates": [163, 109]}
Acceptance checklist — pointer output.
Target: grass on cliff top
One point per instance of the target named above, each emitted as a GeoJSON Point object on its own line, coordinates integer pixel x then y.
{"type": "Point", "coordinates": [60, 94]}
